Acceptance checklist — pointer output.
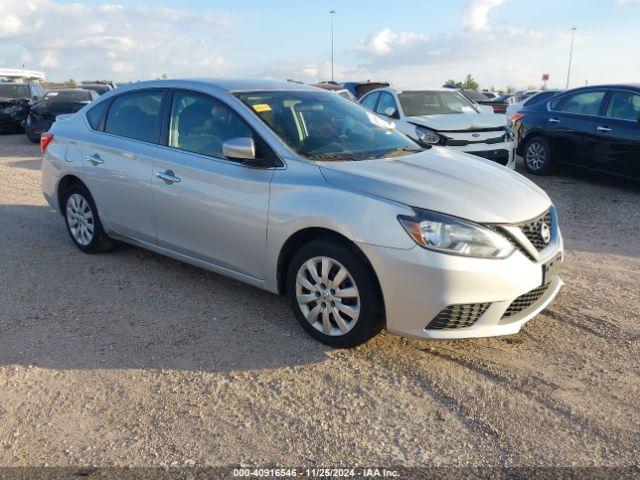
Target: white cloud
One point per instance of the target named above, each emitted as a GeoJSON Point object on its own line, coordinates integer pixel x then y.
{"type": "Point", "coordinates": [475, 15]}
{"type": "Point", "coordinates": [112, 41]}
{"type": "Point", "coordinates": [386, 41]}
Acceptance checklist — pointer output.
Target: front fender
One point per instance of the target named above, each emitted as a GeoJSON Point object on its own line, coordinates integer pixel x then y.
{"type": "Point", "coordinates": [300, 198]}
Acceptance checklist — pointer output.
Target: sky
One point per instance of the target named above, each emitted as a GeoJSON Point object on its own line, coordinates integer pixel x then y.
{"type": "Point", "coordinates": [411, 43]}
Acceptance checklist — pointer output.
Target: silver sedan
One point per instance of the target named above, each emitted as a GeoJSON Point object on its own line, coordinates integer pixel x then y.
{"type": "Point", "coordinates": [301, 192]}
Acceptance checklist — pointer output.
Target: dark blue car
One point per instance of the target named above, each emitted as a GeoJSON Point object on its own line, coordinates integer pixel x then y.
{"type": "Point", "coordinates": [594, 127]}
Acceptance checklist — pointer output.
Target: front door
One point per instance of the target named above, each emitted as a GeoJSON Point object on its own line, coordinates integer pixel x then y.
{"type": "Point", "coordinates": [209, 207]}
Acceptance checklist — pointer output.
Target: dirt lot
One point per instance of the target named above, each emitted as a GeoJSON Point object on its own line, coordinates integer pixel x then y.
{"type": "Point", "coordinates": [130, 358]}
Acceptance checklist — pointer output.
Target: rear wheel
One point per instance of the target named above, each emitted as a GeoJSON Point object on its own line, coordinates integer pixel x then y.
{"type": "Point", "coordinates": [537, 156]}
{"type": "Point", "coordinates": [333, 294]}
{"type": "Point", "coordinates": [83, 223]}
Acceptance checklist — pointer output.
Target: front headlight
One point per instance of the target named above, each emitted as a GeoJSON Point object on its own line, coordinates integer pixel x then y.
{"type": "Point", "coordinates": [446, 234]}
{"type": "Point", "coordinates": [427, 136]}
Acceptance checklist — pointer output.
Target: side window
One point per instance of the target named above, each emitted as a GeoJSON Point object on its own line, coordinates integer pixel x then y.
{"type": "Point", "coordinates": [584, 103]}
{"type": "Point", "coordinates": [202, 124]}
{"type": "Point", "coordinates": [135, 115]}
{"type": "Point", "coordinates": [95, 115]}
{"type": "Point", "coordinates": [624, 105]}
{"type": "Point", "coordinates": [386, 102]}
{"type": "Point", "coordinates": [541, 97]}
{"type": "Point", "coordinates": [370, 100]}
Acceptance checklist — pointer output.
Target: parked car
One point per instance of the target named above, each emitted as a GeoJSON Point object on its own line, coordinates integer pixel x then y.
{"type": "Point", "coordinates": [481, 99]}
{"type": "Point", "coordinates": [499, 104]}
{"type": "Point", "coordinates": [595, 127]}
{"type": "Point", "coordinates": [445, 117]}
{"type": "Point", "coordinates": [358, 89]}
{"type": "Point", "coordinates": [99, 88]}
{"type": "Point", "coordinates": [301, 192]}
{"type": "Point", "coordinates": [489, 95]}
{"type": "Point", "coordinates": [15, 104]}
{"type": "Point", "coordinates": [515, 107]}
{"type": "Point", "coordinates": [54, 103]}
{"type": "Point", "coordinates": [337, 89]}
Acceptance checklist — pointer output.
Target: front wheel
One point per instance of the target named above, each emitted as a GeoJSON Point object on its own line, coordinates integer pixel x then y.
{"type": "Point", "coordinates": [333, 294]}
{"type": "Point", "coordinates": [537, 156]}
{"type": "Point", "coordinates": [83, 223]}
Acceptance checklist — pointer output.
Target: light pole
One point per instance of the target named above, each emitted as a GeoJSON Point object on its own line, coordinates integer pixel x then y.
{"type": "Point", "coordinates": [332, 12]}
{"type": "Point", "coordinates": [573, 31]}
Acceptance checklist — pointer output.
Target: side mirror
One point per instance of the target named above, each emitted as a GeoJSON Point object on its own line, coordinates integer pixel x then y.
{"type": "Point", "coordinates": [242, 148]}
{"type": "Point", "coordinates": [391, 112]}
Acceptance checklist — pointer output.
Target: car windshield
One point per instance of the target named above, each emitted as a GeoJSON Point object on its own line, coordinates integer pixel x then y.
{"type": "Point", "coordinates": [325, 126]}
{"type": "Point", "coordinates": [434, 103]}
{"type": "Point", "coordinates": [14, 90]}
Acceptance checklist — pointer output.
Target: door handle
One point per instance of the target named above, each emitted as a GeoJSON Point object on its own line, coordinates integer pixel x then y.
{"type": "Point", "coordinates": [169, 177]}
{"type": "Point", "coordinates": [603, 129]}
{"type": "Point", "coordinates": [94, 159]}
{"type": "Point", "coordinates": [554, 120]}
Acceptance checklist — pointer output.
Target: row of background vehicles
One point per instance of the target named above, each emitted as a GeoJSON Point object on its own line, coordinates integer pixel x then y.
{"type": "Point", "coordinates": [26, 106]}
{"type": "Point", "coordinates": [594, 127]}
{"type": "Point", "coordinates": [601, 132]}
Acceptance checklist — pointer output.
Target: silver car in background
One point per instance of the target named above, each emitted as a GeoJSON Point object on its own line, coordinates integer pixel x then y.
{"type": "Point", "coordinates": [301, 192]}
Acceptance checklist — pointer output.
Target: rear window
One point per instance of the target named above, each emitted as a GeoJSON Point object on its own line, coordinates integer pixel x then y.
{"type": "Point", "coordinates": [66, 97]}
{"type": "Point", "coordinates": [95, 115]}
{"type": "Point", "coordinates": [135, 115]}
{"type": "Point", "coordinates": [14, 90]}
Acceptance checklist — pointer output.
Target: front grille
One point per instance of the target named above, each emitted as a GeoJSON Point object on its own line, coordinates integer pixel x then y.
{"type": "Point", "coordinates": [525, 301]}
{"type": "Point", "coordinates": [458, 316]}
{"type": "Point", "coordinates": [531, 229]}
{"type": "Point", "coordinates": [452, 142]}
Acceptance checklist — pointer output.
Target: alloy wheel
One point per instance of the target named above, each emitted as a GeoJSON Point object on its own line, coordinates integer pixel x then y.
{"type": "Point", "coordinates": [536, 156]}
{"type": "Point", "coordinates": [80, 219]}
{"type": "Point", "coordinates": [328, 296]}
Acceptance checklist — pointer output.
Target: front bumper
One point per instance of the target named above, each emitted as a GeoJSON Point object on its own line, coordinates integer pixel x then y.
{"type": "Point", "coordinates": [418, 284]}
{"type": "Point", "coordinates": [502, 153]}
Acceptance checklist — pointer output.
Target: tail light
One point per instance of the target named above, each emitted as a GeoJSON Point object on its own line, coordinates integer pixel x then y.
{"type": "Point", "coordinates": [516, 117]}
{"type": "Point", "coordinates": [45, 140]}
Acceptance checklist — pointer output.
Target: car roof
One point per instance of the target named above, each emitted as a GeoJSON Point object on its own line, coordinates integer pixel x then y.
{"type": "Point", "coordinates": [606, 85]}
{"type": "Point", "coordinates": [401, 90]}
{"type": "Point", "coordinates": [228, 84]}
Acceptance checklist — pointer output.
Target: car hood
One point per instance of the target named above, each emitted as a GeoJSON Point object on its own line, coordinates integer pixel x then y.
{"type": "Point", "coordinates": [445, 181]}
{"type": "Point", "coordinates": [459, 121]}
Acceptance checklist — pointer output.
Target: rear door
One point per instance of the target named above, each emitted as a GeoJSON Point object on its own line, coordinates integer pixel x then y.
{"type": "Point", "coordinates": [118, 159]}
{"type": "Point", "coordinates": [212, 208]}
{"type": "Point", "coordinates": [617, 148]}
{"type": "Point", "coordinates": [571, 125]}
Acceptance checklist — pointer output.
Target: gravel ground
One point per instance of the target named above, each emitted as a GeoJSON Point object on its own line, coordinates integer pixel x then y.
{"type": "Point", "coordinates": [130, 358]}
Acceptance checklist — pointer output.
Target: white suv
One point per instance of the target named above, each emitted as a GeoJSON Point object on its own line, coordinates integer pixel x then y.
{"type": "Point", "coordinates": [447, 118]}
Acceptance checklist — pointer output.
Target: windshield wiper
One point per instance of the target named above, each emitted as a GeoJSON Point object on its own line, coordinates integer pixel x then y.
{"type": "Point", "coordinates": [332, 157]}
{"type": "Point", "coordinates": [402, 150]}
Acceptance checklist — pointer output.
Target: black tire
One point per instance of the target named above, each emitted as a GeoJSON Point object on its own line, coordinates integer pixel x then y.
{"type": "Point", "coordinates": [371, 309]}
{"type": "Point", "coordinates": [30, 135]}
{"type": "Point", "coordinates": [100, 241]}
{"type": "Point", "coordinates": [537, 156]}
